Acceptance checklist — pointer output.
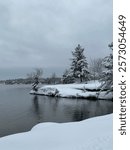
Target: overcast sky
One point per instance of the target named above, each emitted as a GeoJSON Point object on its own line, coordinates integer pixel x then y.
{"type": "Point", "coordinates": [42, 33]}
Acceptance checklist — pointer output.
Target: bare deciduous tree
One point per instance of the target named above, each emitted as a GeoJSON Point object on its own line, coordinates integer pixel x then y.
{"type": "Point", "coordinates": [38, 72]}
{"type": "Point", "coordinates": [96, 68]}
{"type": "Point", "coordinates": [53, 78]}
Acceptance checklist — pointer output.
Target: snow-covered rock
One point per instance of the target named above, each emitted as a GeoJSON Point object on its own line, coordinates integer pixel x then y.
{"type": "Point", "coordinates": [90, 134]}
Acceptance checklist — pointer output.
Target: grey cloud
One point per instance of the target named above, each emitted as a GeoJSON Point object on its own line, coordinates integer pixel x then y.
{"type": "Point", "coordinates": [43, 33]}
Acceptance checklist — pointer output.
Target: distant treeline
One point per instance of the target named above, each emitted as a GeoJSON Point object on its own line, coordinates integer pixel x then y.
{"type": "Point", "coordinates": [57, 80]}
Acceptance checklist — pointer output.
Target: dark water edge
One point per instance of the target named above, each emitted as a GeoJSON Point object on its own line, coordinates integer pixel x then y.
{"type": "Point", "coordinates": [20, 111]}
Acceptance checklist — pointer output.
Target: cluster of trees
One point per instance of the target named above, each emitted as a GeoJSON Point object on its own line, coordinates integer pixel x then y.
{"type": "Point", "coordinates": [98, 69]}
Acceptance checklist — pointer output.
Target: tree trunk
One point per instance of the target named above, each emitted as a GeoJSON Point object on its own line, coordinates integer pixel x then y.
{"type": "Point", "coordinates": [81, 79]}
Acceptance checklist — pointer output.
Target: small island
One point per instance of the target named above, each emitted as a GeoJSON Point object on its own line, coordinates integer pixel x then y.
{"type": "Point", "coordinates": [80, 81]}
{"type": "Point", "coordinates": [90, 90]}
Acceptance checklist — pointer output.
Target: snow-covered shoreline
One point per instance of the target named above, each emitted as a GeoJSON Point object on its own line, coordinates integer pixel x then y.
{"type": "Point", "coordinates": [87, 91]}
{"type": "Point", "coordinates": [90, 134]}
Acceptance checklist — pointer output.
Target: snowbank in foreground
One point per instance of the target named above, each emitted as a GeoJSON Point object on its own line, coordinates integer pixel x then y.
{"type": "Point", "coordinates": [90, 134]}
{"type": "Point", "coordinates": [88, 90]}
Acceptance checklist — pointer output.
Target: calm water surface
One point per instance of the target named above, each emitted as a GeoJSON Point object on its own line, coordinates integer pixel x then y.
{"type": "Point", "coordinates": [20, 111]}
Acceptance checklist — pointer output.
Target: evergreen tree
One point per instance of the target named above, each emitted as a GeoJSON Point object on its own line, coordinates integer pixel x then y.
{"type": "Point", "coordinates": [107, 74]}
{"type": "Point", "coordinates": [67, 77]}
{"type": "Point", "coordinates": [79, 65]}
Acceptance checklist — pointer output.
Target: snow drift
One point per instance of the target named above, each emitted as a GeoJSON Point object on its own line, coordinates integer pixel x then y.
{"type": "Point", "coordinates": [90, 134]}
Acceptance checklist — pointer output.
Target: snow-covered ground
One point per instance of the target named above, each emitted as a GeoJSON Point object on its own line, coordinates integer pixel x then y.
{"type": "Point", "coordinates": [89, 90]}
{"type": "Point", "coordinates": [90, 134]}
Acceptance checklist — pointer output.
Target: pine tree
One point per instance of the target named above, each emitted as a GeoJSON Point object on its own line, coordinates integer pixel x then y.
{"type": "Point", "coordinates": [79, 65]}
{"type": "Point", "coordinates": [67, 77]}
{"type": "Point", "coordinates": [107, 74]}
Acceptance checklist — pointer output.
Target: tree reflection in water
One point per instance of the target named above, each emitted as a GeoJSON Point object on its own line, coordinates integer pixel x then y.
{"type": "Point", "coordinates": [37, 108]}
{"type": "Point", "coordinates": [49, 109]}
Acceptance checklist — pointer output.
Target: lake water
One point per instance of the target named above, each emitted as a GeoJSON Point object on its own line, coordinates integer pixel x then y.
{"type": "Point", "coordinates": [20, 111]}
